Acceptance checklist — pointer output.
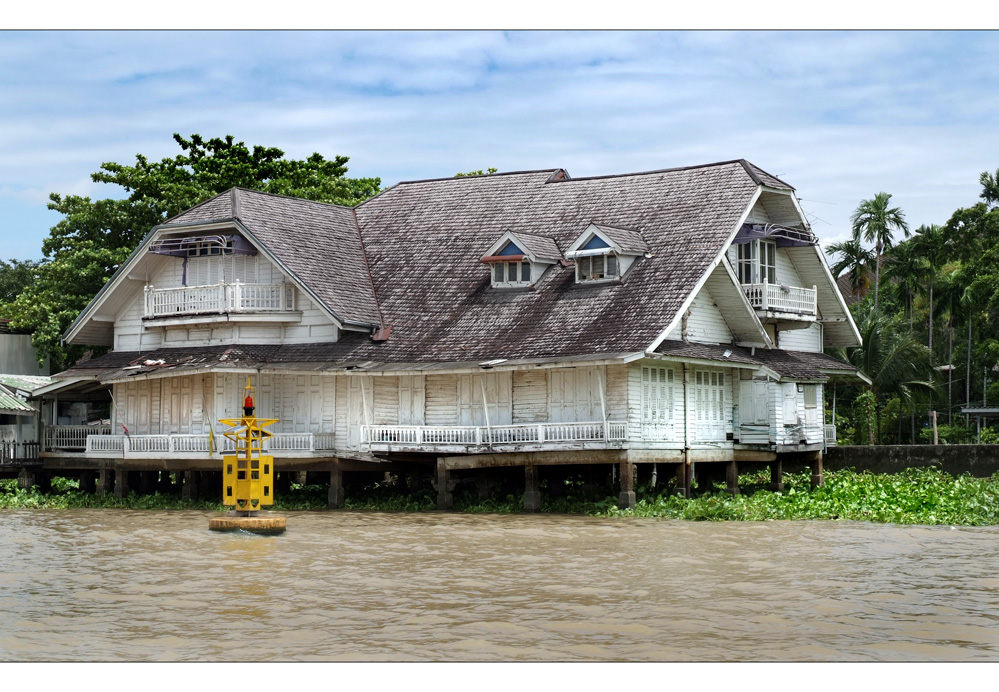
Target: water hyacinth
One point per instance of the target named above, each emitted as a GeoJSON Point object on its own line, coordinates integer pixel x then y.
{"type": "Point", "coordinates": [915, 496]}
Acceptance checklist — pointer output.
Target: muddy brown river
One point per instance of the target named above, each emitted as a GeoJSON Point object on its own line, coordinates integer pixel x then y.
{"type": "Point", "coordinates": [118, 585]}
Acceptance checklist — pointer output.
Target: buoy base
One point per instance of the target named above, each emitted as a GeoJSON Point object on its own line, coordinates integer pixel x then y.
{"type": "Point", "coordinates": [266, 525]}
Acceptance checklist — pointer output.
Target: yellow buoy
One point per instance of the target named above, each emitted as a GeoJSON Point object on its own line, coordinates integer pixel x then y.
{"type": "Point", "coordinates": [248, 475]}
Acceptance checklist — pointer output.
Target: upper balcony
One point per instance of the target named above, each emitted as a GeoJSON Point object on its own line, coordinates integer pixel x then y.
{"type": "Point", "coordinates": [274, 300]}
{"type": "Point", "coordinates": [781, 301]}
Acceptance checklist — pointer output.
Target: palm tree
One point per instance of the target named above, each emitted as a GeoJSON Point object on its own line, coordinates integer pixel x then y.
{"type": "Point", "coordinates": [874, 221]}
{"type": "Point", "coordinates": [855, 259]}
{"type": "Point", "coordinates": [905, 267]}
{"type": "Point", "coordinates": [929, 243]}
{"type": "Point", "coordinates": [990, 188]}
{"type": "Point", "coordinates": [895, 360]}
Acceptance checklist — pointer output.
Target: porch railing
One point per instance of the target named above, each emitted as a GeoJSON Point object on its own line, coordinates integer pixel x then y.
{"type": "Point", "coordinates": [218, 298]}
{"type": "Point", "coordinates": [177, 444]}
{"type": "Point", "coordinates": [70, 437]}
{"type": "Point", "coordinates": [528, 433]}
{"type": "Point", "coordinates": [14, 452]}
{"type": "Point", "coordinates": [781, 298]}
{"type": "Point", "coordinates": [829, 431]}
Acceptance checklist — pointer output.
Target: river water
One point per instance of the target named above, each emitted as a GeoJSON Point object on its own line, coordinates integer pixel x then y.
{"type": "Point", "coordinates": [118, 585]}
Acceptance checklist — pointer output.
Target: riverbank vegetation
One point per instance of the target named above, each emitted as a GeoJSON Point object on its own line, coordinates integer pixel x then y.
{"type": "Point", "coordinates": [915, 496]}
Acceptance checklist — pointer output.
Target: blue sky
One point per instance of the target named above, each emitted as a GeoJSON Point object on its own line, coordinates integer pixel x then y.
{"type": "Point", "coordinates": [839, 115]}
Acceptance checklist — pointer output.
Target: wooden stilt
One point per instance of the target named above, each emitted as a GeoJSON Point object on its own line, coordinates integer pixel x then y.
{"type": "Point", "coordinates": [732, 477]}
{"type": "Point", "coordinates": [120, 483]}
{"type": "Point", "coordinates": [336, 494]}
{"type": "Point", "coordinates": [190, 489]}
{"type": "Point", "coordinates": [105, 481]}
{"type": "Point", "coordinates": [683, 478]}
{"type": "Point", "coordinates": [626, 499]}
{"type": "Point", "coordinates": [776, 475]}
{"type": "Point", "coordinates": [818, 477]}
{"type": "Point", "coordinates": [532, 495]}
{"type": "Point", "coordinates": [445, 500]}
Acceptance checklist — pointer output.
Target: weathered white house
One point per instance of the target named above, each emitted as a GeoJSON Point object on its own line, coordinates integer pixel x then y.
{"type": "Point", "coordinates": [520, 319]}
{"type": "Point", "coordinates": [20, 376]}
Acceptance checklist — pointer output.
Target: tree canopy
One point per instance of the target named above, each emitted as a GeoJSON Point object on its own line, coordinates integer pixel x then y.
{"type": "Point", "coordinates": [94, 237]}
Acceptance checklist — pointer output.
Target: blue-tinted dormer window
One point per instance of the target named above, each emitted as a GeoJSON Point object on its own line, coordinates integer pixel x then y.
{"type": "Point", "coordinates": [596, 243]}
{"type": "Point", "coordinates": [510, 249]}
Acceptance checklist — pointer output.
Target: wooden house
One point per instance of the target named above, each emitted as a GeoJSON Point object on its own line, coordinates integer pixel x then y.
{"type": "Point", "coordinates": [520, 319]}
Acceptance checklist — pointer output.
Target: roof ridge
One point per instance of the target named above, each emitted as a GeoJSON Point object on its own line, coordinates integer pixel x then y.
{"type": "Point", "coordinates": [477, 177]}
{"type": "Point", "coordinates": [653, 172]}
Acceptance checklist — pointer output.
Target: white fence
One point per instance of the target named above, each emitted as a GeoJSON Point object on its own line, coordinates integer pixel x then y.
{"type": "Point", "coordinates": [68, 437]}
{"type": "Point", "coordinates": [829, 431]}
{"type": "Point", "coordinates": [780, 298]}
{"type": "Point", "coordinates": [218, 298]}
{"type": "Point", "coordinates": [197, 445]}
{"type": "Point", "coordinates": [540, 433]}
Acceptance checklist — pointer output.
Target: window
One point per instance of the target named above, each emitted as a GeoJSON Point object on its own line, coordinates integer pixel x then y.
{"type": "Point", "coordinates": [709, 388]}
{"type": "Point", "coordinates": [597, 267]}
{"type": "Point", "coordinates": [811, 400]}
{"type": "Point", "coordinates": [203, 248]}
{"type": "Point", "coordinates": [758, 262]}
{"type": "Point", "coordinates": [657, 396]}
{"type": "Point", "coordinates": [512, 273]}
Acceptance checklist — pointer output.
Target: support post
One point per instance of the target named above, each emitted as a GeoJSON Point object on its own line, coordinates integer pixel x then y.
{"type": "Point", "coordinates": [190, 488]}
{"type": "Point", "coordinates": [776, 475]}
{"type": "Point", "coordinates": [25, 479]}
{"type": "Point", "coordinates": [626, 499]}
{"type": "Point", "coordinates": [105, 481]}
{"type": "Point", "coordinates": [732, 477]}
{"type": "Point", "coordinates": [336, 494]}
{"type": "Point", "coordinates": [683, 477]}
{"type": "Point", "coordinates": [818, 478]}
{"type": "Point", "coordinates": [445, 501]}
{"type": "Point", "coordinates": [120, 483]}
{"type": "Point", "coordinates": [532, 496]}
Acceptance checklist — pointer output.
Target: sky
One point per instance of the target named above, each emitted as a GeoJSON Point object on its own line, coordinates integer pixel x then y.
{"type": "Point", "coordinates": [839, 115]}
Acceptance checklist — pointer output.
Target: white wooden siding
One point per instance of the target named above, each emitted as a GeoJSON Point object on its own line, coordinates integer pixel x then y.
{"type": "Point", "coordinates": [574, 394]}
{"type": "Point", "coordinates": [705, 322]}
{"type": "Point", "coordinates": [809, 339]}
{"type": "Point", "coordinates": [497, 387]}
{"type": "Point", "coordinates": [530, 396]}
{"type": "Point", "coordinates": [442, 399]}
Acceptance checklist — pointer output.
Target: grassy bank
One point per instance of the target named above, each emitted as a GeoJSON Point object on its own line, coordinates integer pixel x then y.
{"type": "Point", "coordinates": [916, 496]}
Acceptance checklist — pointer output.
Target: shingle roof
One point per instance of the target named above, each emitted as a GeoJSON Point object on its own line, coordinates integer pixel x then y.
{"type": "Point", "coordinates": [437, 296]}
{"type": "Point", "coordinates": [542, 247]}
{"type": "Point", "coordinates": [316, 242]}
{"type": "Point", "coordinates": [628, 241]}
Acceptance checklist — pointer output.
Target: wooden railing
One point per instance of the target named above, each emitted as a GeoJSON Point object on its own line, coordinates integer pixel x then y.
{"type": "Point", "coordinates": [780, 298]}
{"type": "Point", "coordinates": [16, 452]}
{"type": "Point", "coordinates": [530, 433]}
{"type": "Point", "coordinates": [829, 433]}
{"type": "Point", "coordinates": [218, 298]}
{"type": "Point", "coordinates": [70, 437]}
{"type": "Point", "coordinates": [186, 445]}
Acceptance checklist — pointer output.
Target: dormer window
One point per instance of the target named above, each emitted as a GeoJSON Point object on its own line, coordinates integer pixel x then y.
{"type": "Point", "coordinates": [512, 273]}
{"type": "Point", "coordinates": [520, 259]}
{"type": "Point", "coordinates": [603, 253]}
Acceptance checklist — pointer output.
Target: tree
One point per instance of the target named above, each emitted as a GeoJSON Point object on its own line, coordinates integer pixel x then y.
{"type": "Point", "coordinates": [95, 237]}
{"type": "Point", "coordinates": [904, 269]}
{"type": "Point", "coordinates": [874, 221]}
{"type": "Point", "coordinates": [489, 171]}
{"type": "Point", "coordinates": [15, 276]}
{"type": "Point", "coordinates": [895, 360]}
{"type": "Point", "coordinates": [990, 188]}
{"type": "Point", "coordinates": [855, 259]}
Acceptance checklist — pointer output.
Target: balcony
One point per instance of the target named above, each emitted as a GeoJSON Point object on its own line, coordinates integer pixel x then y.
{"type": "Point", "coordinates": [218, 298]}
{"type": "Point", "coordinates": [70, 438]}
{"type": "Point", "coordinates": [793, 302]}
{"type": "Point", "coordinates": [285, 445]}
{"type": "Point", "coordinates": [533, 436]}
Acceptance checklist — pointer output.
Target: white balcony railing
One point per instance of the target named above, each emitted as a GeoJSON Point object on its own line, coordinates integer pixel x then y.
{"type": "Point", "coordinates": [219, 298]}
{"type": "Point", "coordinates": [198, 445]}
{"type": "Point", "coordinates": [829, 433]}
{"type": "Point", "coordinates": [69, 437]}
{"type": "Point", "coordinates": [533, 433]}
{"type": "Point", "coordinates": [780, 298]}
